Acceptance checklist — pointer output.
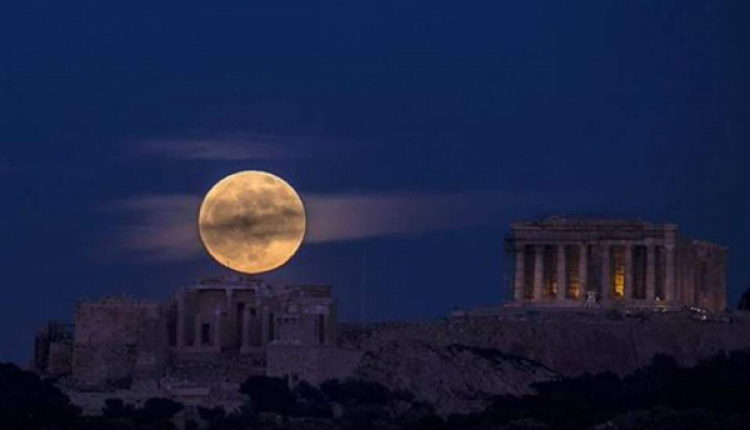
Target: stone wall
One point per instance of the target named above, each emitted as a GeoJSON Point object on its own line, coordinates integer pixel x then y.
{"type": "Point", "coordinates": [457, 364]}
{"type": "Point", "coordinates": [711, 283]}
{"type": "Point", "coordinates": [53, 346]}
{"type": "Point", "coordinates": [454, 378]}
{"type": "Point", "coordinates": [60, 358]}
{"type": "Point", "coordinates": [570, 342]}
{"type": "Point", "coordinates": [117, 340]}
{"type": "Point", "coordinates": [313, 364]}
{"type": "Point", "coordinates": [210, 368]}
{"type": "Point", "coordinates": [303, 328]}
{"type": "Point", "coordinates": [104, 364]}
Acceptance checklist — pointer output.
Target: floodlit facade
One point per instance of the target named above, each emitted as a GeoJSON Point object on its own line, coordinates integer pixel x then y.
{"type": "Point", "coordinates": [565, 261]}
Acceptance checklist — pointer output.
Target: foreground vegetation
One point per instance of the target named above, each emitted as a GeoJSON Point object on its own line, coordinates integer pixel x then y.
{"type": "Point", "coordinates": [662, 395]}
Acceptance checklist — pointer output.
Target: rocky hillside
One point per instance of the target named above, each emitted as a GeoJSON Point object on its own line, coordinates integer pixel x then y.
{"type": "Point", "coordinates": [454, 378]}
{"type": "Point", "coordinates": [457, 363]}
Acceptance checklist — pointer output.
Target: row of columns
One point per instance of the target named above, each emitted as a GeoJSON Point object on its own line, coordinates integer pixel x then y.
{"type": "Point", "coordinates": [605, 248]}
{"type": "Point", "coordinates": [246, 340]}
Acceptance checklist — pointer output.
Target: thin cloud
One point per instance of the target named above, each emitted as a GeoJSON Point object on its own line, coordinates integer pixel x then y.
{"type": "Point", "coordinates": [164, 227]}
{"type": "Point", "coordinates": [241, 147]}
{"type": "Point", "coordinates": [157, 227]}
{"type": "Point", "coordinates": [353, 216]}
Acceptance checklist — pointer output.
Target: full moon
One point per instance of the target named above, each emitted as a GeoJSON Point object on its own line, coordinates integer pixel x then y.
{"type": "Point", "coordinates": [252, 222]}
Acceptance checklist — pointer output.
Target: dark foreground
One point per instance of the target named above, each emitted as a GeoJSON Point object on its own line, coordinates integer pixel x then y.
{"type": "Point", "coordinates": [711, 395]}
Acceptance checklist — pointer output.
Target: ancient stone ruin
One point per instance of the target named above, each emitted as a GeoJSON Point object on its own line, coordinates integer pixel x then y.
{"type": "Point", "coordinates": [218, 331]}
{"type": "Point", "coordinates": [562, 261]}
{"type": "Point", "coordinates": [589, 295]}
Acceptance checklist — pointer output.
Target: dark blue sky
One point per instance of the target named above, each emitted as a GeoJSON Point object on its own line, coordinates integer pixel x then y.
{"type": "Point", "coordinates": [447, 120]}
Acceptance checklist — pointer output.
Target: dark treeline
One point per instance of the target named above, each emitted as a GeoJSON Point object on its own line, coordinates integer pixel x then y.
{"type": "Point", "coordinates": [715, 394]}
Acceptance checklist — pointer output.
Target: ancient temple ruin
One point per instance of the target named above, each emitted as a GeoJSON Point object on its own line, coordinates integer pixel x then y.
{"type": "Point", "coordinates": [566, 261]}
{"type": "Point", "coordinates": [216, 331]}
{"type": "Point", "coordinates": [247, 314]}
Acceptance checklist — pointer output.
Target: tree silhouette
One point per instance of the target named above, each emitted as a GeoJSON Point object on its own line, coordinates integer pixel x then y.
{"type": "Point", "coordinates": [28, 402]}
{"type": "Point", "coordinates": [269, 394]}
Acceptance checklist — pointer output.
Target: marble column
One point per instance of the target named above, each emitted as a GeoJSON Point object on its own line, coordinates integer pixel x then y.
{"type": "Point", "coordinates": [329, 339]}
{"type": "Point", "coordinates": [181, 321]}
{"type": "Point", "coordinates": [562, 281]}
{"type": "Point", "coordinates": [650, 272]}
{"type": "Point", "coordinates": [669, 275]}
{"type": "Point", "coordinates": [264, 333]}
{"type": "Point", "coordinates": [520, 274]}
{"type": "Point", "coordinates": [628, 291]}
{"type": "Point", "coordinates": [217, 332]}
{"type": "Point", "coordinates": [538, 271]}
{"type": "Point", "coordinates": [231, 313]}
{"type": "Point", "coordinates": [245, 329]}
{"type": "Point", "coordinates": [583, 270]}
{"type": "Point", "coordinates": [606, 286]}
{"type": "Point", "coordinates": [198, 337]}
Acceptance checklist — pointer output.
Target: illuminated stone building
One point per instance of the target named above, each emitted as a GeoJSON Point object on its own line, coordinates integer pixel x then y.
{"type": "Point", "coordinates": [561, 261]}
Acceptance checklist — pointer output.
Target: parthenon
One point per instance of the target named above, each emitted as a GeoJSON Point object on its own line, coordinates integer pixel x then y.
{"type": "Point", "coordinates": [565, 261]}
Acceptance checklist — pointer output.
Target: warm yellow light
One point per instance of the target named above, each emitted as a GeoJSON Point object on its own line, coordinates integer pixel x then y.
{"type": "Point", "coordinates": [620, 281]}
{"type": "Point", "coordinates": [574, 289]}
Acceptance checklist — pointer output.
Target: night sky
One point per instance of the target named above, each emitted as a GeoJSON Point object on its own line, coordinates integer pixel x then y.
{"type": "Point", "coordinates": [415, 131]}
